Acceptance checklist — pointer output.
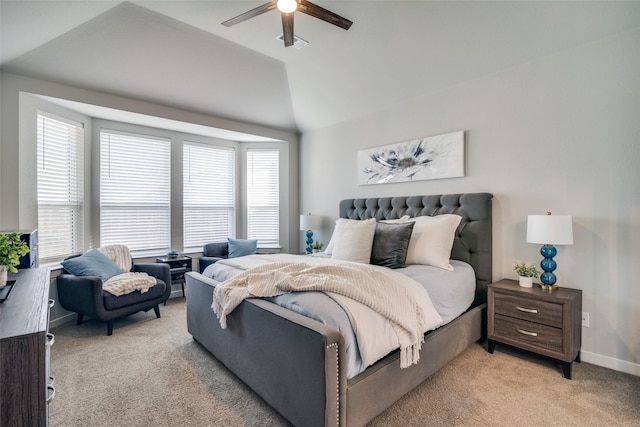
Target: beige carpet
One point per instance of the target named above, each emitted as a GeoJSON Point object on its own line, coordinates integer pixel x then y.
{"type": "Point", "coordinates": [150, 372]}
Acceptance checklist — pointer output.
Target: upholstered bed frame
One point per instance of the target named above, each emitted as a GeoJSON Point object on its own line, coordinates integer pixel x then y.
{"type": "Point", "coordinates": [296, 364]}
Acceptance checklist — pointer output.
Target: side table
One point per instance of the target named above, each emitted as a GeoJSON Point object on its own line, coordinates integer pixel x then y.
{"type": "Point", "coordinates": [179, 266]}
{"type": "Point", "coordinates": [543, 322]}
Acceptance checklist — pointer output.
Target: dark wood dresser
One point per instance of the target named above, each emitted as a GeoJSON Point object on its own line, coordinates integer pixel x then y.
{"type": "Point", "coordinates": [543, 322]}
{"type": "Point", "coordinates": [26, 386]}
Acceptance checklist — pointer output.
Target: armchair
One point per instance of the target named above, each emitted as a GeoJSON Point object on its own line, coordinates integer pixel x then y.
{"type": "Point", "coordinates": [84, 295]}
{"type": "Point", "coordinates": [213, 252]}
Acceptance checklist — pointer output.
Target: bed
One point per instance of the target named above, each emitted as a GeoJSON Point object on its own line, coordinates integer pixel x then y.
{"type": "Point", "coordinates": [298, 365]}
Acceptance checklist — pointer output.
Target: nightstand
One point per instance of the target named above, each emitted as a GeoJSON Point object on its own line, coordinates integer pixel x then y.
{"type": "Point", "coordinates": [543, 322]}
{"type": "Point", "coordinates": [179, 266]}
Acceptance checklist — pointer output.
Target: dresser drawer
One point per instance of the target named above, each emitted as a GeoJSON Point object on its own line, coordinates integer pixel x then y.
{"type": "Point", "coordinates": [528, 333]}
{"type": "Point", "coordinates": [543, 312]}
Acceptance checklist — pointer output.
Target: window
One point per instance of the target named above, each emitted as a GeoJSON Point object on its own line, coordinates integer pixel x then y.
{"type": "Point", "coordinates": [208, 195]}
{"type": "Point", "coordinates": [59, 187]}
{"type": "Point", "coordinates": [135, 192]}
{"type": "Point", "coordinates": [263, 197]}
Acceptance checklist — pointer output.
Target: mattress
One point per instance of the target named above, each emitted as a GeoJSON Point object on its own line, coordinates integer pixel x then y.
{"type": "Point", "coordinates": [451, 293]}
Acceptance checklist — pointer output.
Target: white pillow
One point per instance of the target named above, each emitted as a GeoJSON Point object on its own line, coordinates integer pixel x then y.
{"type": "Point", "coordinates": [352, 240]}
{"type": "Point", "coordinates": [432, 240]}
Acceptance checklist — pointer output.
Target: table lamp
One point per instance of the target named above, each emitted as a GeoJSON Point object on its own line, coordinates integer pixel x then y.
{"type": "Point", "coordinates": [549, 230]}
{"type": "Point", "coordinates": [309, 223]}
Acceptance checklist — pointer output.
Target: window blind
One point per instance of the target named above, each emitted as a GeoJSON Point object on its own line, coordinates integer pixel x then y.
{"type": "Point", "coordinates": [59, 187]}
{"type": "Point", "coordinates": [208, 194]}
{"type": "Point", "coordinates": [263, 196]}
{"type": "Point", "coordinates": [135, 192]}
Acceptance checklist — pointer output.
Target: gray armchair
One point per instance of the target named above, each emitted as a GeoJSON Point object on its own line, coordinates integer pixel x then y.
{"type": "Point", "coordinates": [213, 252]}
{"type": "Point", "coordinates": [84, 295]}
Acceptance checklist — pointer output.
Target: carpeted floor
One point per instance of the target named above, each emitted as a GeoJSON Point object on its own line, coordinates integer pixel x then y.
{"type": "Point", "coordinates": [150, 372]}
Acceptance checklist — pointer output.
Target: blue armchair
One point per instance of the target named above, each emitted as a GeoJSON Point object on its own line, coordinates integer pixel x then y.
{"type": "Point", "coordinates": [213, 252]}
{"type": "Point", "coordinates": [85, 296]}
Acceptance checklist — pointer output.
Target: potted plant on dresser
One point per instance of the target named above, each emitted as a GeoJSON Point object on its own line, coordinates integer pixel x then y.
{"type": "Point", "coordinates": [11, 249]}
{"type": "Point", "coordinates": [527, 273]}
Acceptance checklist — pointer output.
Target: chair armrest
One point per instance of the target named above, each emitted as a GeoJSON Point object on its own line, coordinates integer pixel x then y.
{"type": "Point", "coordinates": [82, 294]}
{"type": "Point", "coordinates": [159, 270]}
{"type": "Point", "coordinates": [205, 261]}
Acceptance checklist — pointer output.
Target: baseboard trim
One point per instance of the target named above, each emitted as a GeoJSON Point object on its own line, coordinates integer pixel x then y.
{"type": "Point", "coordinates": [71, 317]}
{"type": "Point", "coordinates": [62, 320]}
{"type": "Point", "coordinates": [610, 362]}
{"type": "Point", "coordinates": [176, 293]}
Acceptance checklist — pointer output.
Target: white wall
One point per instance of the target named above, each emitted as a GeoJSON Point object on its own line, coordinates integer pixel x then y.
{"type": "Point", "coordinates": [559, 134]}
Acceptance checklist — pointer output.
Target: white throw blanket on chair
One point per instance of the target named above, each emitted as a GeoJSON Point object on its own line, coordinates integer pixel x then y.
{"type": "Point", "coordinates": [119, 254]}
{"type": "Point", "coordinates": [126, 282]}
{"type": "Point", "coordinates": [382, 292]}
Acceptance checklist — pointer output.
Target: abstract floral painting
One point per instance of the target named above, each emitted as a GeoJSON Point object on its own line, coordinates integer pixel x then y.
{"type": "Point", "coordinates": [433, 157]}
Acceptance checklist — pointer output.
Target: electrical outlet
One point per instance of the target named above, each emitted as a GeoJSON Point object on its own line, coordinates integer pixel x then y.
{"type": "Point", "coordinates": [585, 319]}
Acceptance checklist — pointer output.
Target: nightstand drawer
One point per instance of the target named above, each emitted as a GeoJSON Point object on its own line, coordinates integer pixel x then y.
{"type": "Point", "coordinates": [532, 334]}
{"type": "Point", "coordinates": [544, 312]}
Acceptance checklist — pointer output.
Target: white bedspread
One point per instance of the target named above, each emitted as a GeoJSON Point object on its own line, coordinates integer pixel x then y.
{"type": "Point", "coordinates": [387, 309]}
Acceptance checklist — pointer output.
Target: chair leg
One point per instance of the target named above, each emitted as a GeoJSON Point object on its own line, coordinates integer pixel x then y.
{"type": "Point", "coordinates": [109, 327]}
{"type": "Point", "coordinates": [157, 310]}
{"type": "Point", "coordinates": [79, 322]}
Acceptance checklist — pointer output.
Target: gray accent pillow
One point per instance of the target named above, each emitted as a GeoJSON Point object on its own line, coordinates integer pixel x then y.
{"type": "Point", "coordinates": [390, 244]}
{"type": "Point", "coordinates": [240, 247]}
{"type": "Point", "coordinates": [92, 263]}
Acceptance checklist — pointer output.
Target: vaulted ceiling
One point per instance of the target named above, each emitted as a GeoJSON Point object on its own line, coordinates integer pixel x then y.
{"type": "Point", "coordinates": [177, 53]}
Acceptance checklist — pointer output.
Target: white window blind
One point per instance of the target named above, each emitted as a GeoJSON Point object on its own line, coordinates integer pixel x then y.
{"type": "Point", "coordinates": [208, 195]}
{"type": "Point", "coordinates": [263, 197]}
{"type": "Point", "coordinates": [59, 188]}
{"type": "Point", "coordinates": [135, 192]}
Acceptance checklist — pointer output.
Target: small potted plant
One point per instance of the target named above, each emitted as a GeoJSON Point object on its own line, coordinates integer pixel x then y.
{"type": "Point", "coordinates": [317, 246]}
{"type": "Point", "coordinates": [527, 273]}
{"type": "Point", "coordinates": [11, 249]}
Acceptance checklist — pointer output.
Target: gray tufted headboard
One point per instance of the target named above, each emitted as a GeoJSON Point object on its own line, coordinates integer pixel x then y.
{"type": "Point", "coordinates": [472, 243]}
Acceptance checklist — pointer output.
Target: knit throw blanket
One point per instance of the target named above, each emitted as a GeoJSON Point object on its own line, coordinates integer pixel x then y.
{"type": "Point", "coordinates": [126, 283]}
{"type": "Point", "coordinates": [365, 285]}
{"type": "Point", "coordinates": [119, 254]}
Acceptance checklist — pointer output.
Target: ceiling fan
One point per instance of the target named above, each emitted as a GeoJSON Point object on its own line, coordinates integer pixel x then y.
{"type": "Point", "coordinates": [286, 8]}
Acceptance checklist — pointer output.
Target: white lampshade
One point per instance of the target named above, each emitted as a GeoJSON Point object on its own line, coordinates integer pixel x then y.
{"type": "Point", "coordinates": [550, 229]}
{"type": "Point", "coordinates": [310, 222]}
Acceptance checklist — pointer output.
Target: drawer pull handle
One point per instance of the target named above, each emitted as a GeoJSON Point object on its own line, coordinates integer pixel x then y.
{"type": "Point", "coordinates": [52, 389]}
{"type": "Point", "coordinates": [52, 380]}
{"type": "Point", "coordinates": [531, 334]}
{"type": "Point", "coordinates": [52, 302]}
{"type": "Point", "coordinates": [50, 339]}
{"type": "Point", "coordinates": [527, 310]}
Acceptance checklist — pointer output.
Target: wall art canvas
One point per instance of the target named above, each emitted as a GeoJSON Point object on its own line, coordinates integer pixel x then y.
{"type": "Point", "coordinates": [433, 157]}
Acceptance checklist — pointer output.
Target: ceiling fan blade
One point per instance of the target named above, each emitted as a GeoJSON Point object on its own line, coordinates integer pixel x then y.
{"type": "Point", "coordinates": [287, 29]}
{"type": "Point", "coordinates": [316, 11]}
{"type": "Point", "coordinates": [250, 14]}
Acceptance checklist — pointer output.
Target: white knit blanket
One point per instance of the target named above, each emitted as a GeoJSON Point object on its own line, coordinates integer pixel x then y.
{"type": "Point", "coordinates": [126, 283]}
{"type": "Point", "coordinates": [379, 291]}
{"type": "Point", "coordinates": [119, 254]}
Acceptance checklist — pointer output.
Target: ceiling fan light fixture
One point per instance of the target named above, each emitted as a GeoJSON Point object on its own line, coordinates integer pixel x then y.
{"type": "Point", "coordinates": [287, 6]}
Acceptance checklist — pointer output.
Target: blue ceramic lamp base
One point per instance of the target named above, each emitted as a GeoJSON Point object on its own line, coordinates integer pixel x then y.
{"type": "Point", "coordinates": [309, 242]}
{"type": "Point", "coordinates": [547, 278]}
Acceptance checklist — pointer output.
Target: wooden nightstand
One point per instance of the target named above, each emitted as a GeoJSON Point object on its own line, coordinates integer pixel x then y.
{"type": "Point", "coordinates": [543, 322]}
{"type": "Point", "coordinates": [179, 266]}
